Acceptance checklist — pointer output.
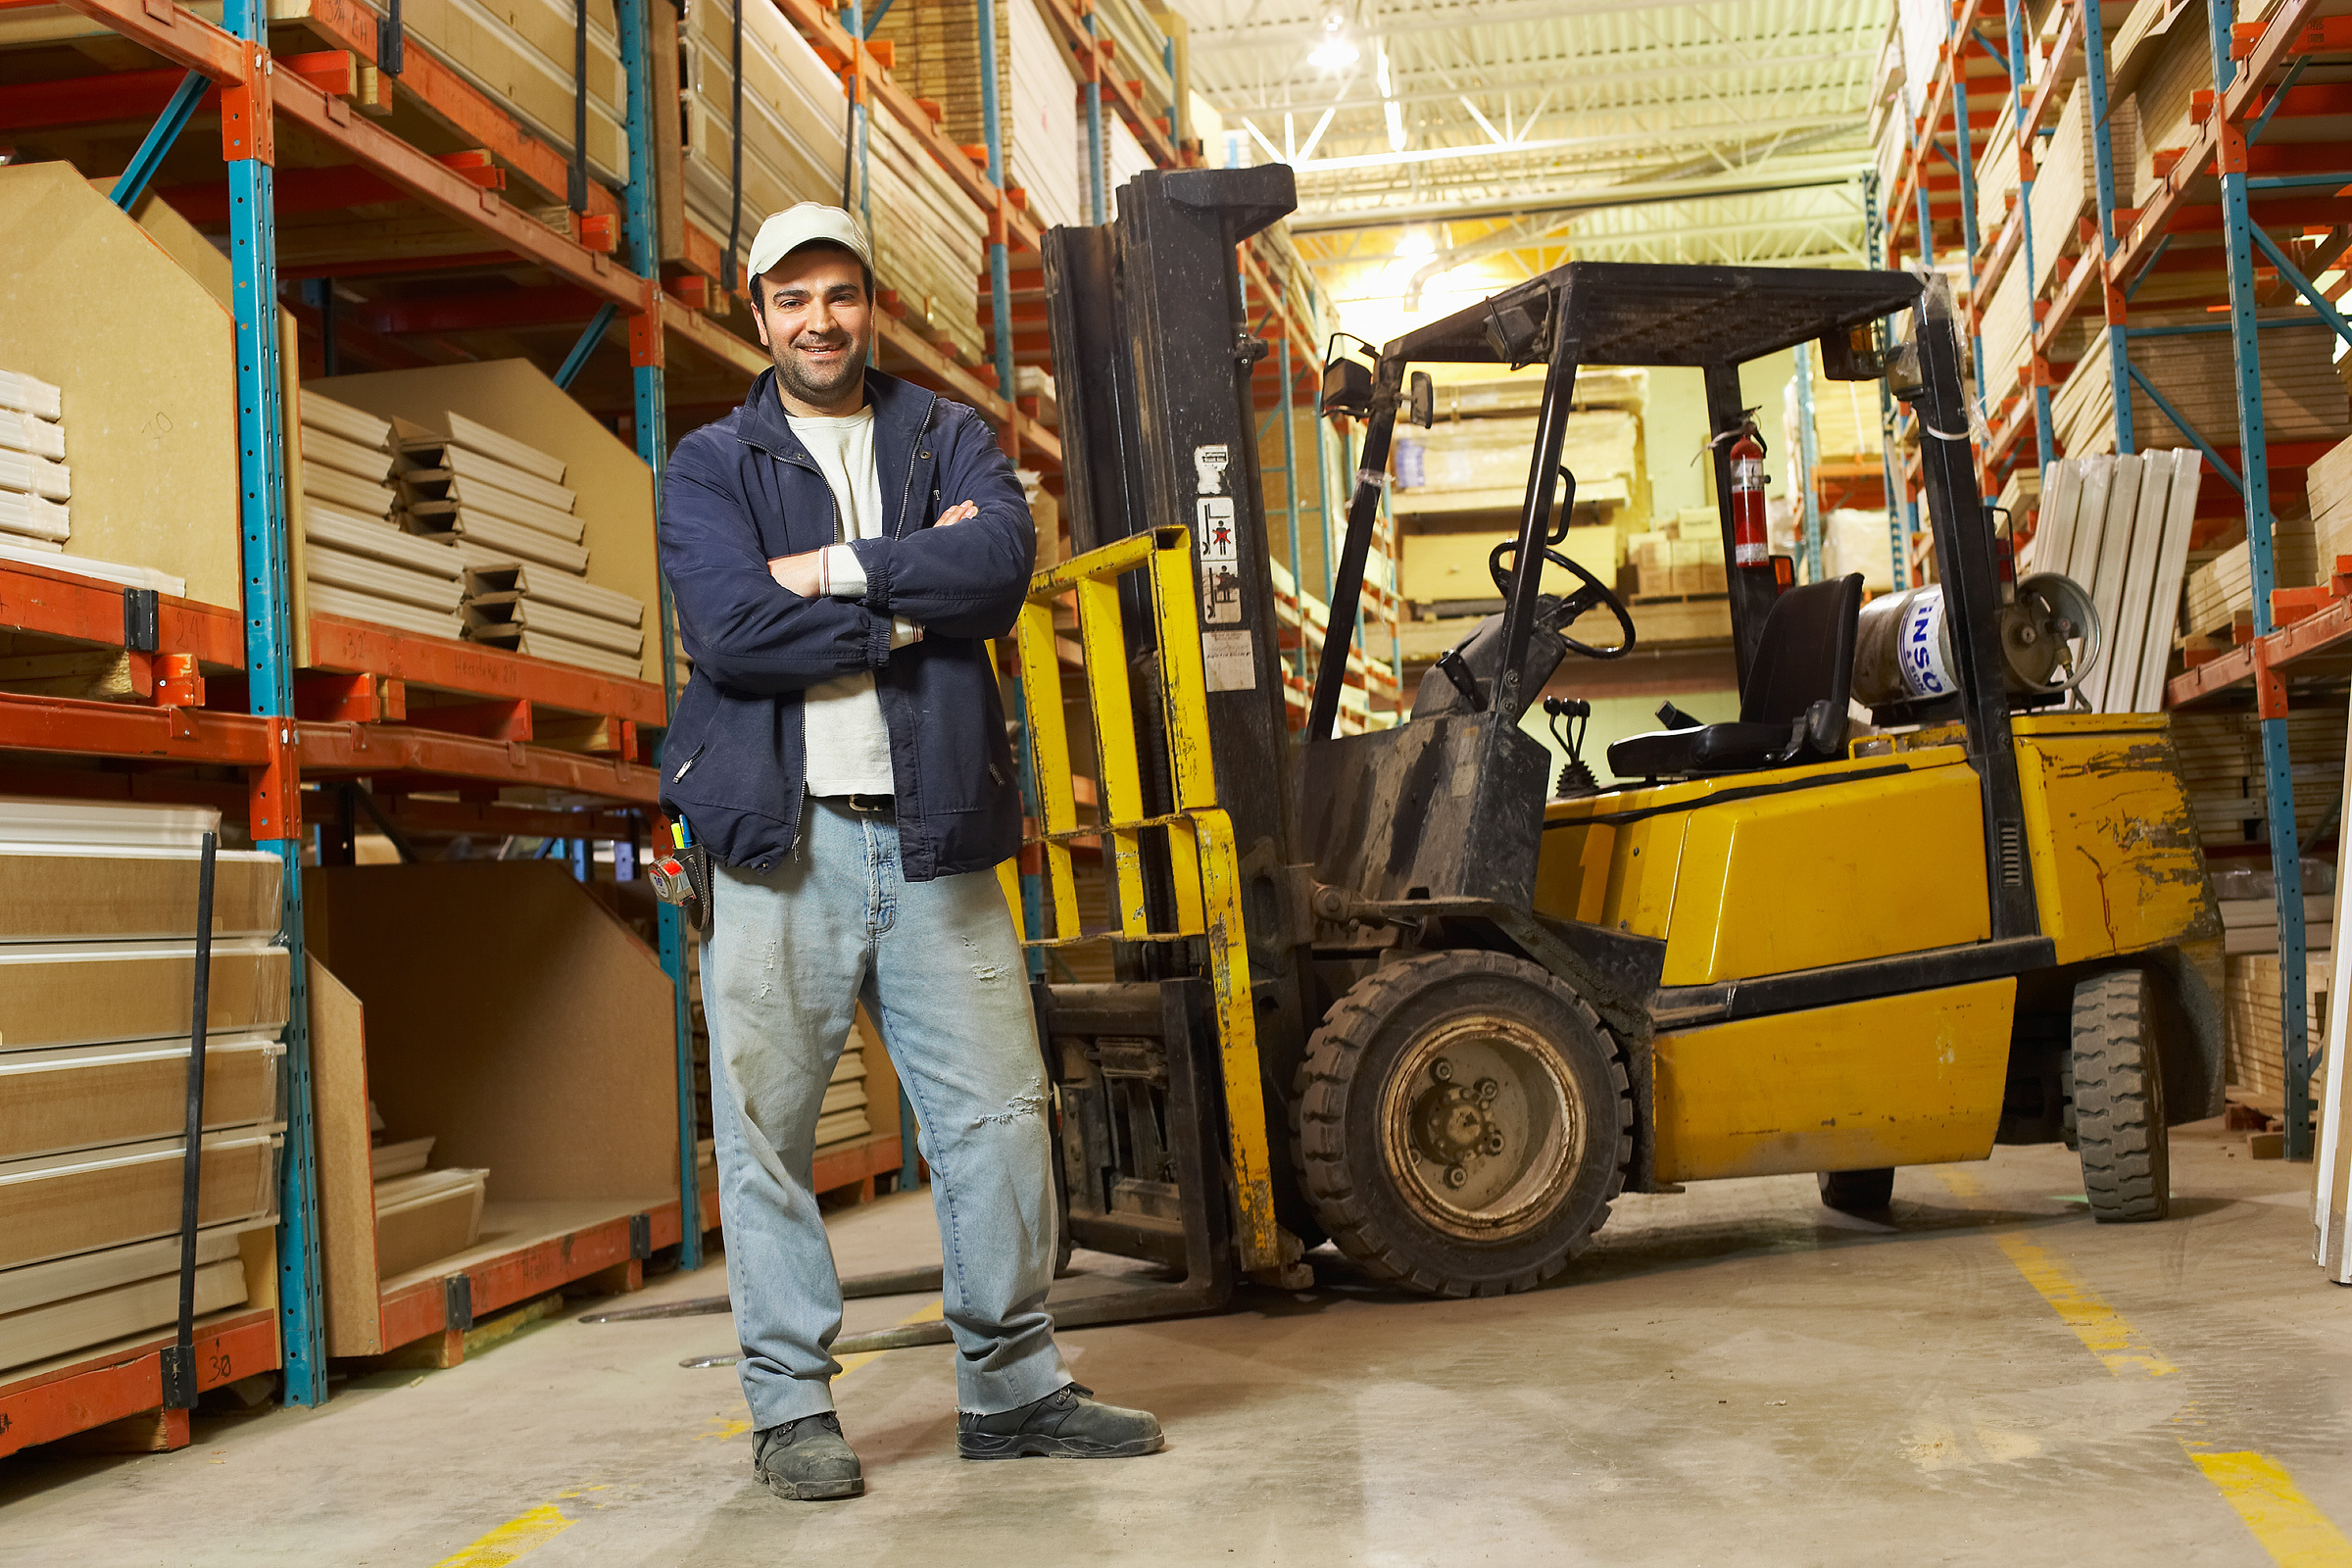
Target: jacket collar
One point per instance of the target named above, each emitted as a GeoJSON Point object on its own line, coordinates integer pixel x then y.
{"type": "Point", "coordinates": [900, 409]}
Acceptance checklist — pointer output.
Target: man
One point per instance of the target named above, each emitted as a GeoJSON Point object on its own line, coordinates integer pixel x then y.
{"type": "Point", "coordinates": [841, 752]}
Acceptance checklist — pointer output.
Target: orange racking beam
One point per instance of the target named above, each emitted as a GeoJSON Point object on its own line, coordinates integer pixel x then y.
{"type": "Point", "coordinates": [113, 1385]}
{"type": "Point", "coordinates": [495, 311]}
{"type": "Point", "coordinates": [125, 729]}
{"type": "Point", "coordinates": [357, 647]}
{"type": "Point", "coordinates": [59, 603]}
{"type": "Point", "coordinates": [360, 749]}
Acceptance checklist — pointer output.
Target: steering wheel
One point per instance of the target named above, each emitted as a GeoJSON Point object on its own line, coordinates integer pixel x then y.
{"type": "Point", "coordinates": [1566, 610]}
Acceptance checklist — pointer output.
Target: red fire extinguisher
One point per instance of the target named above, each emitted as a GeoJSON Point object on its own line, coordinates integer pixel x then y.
{"type": "Point", "coordinates": [1751, 544]}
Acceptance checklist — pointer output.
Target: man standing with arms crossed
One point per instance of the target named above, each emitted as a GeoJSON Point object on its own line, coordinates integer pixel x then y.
{"type": "Point", "coordinates": [840, 753]}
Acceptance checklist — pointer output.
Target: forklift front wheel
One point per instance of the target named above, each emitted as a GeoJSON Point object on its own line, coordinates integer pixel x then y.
{"type": "Point", "coordinates": [2119, 1100]}
{"type": "Point", "coordinates": [1464, 1121]}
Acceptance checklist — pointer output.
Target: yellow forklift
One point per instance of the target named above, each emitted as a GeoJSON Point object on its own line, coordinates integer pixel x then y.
{"type": "Point", "coordinates": [1406, 990]}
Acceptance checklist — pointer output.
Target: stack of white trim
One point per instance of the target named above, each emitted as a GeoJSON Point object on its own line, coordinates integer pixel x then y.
{"type": "Point", "coordinates": [1045, 130]}
{"type": "Point", "coordinates": [502, 508]}
{"type": "Point", "coordinates": [2066, 186]}
{"type": "Point", "coordinates": [91, 1148]}
{"type": "Point", "coordinates": [357, 561]}
{"type": "Point", "coordinates": [930, 239]}
{"type": "Point", "coordinates": [2120, 527]}
{"type": "Point", "coordinates": [34, 482]}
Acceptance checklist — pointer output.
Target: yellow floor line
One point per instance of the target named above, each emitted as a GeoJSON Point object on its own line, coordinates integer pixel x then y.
{"type": "Point", "coordinates": [2106, 1332]}
{"type": "Point", "coordinates": [542, 1524]}
{"type": "Point", "coordinates": [2282, 1521]}
{"type": "Point", "coordinates": [511, 1540]}
{"type": "Point", "coordinates": [2290, 1527]}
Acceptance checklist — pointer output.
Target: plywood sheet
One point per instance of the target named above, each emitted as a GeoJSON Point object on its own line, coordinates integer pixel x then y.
{"type": "Point", "coordinates": [512, 396]}
{"type": "Point", "coordinates": [346, 1177]}
{"type": "Point", "coordinates": [542, 1050]}
{"type": "Point", "coordinates": [150, 391]}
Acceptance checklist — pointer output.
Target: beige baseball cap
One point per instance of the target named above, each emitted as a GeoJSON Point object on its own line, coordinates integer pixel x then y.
{"type": "Point", "coordinates": [804, 223]}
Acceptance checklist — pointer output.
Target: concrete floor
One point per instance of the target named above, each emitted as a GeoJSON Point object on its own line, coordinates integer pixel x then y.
{"type": "Point", "coordinates": [1736, 1375]}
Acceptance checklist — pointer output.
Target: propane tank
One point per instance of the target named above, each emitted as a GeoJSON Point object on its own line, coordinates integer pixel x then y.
{"type": "Point", "coordinates": [2049, 637]}
{"type": "Point", "coordinates": [1751, 542]}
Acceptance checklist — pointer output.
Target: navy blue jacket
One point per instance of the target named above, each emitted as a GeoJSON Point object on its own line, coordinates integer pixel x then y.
{"type": "Point", "coordinates": [743, 489]}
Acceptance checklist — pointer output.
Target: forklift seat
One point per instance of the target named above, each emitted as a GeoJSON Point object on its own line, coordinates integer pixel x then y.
{"type": "Point", "coordinates": [1793, 707]}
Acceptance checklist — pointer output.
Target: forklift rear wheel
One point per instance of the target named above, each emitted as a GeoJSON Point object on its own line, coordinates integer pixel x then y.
{"type": "Point", "coordinates": [2119, 1100]}
{"type": "Point", "coordinates": [1464, 1121]}
{"type": "Point", "coordinates": [1858, 1191]}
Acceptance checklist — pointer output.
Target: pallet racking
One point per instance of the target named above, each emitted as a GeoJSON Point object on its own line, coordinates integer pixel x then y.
{"type": "Point", "coordinates": [377, 124]}
{"type": "Point", "coordinates": [2205, 225]}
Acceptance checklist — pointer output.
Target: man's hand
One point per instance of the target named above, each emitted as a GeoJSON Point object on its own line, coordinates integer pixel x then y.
{"type": "Point", "coordinates": [801, 575]}
{"type": "Point", "coordinates": [959, 512]}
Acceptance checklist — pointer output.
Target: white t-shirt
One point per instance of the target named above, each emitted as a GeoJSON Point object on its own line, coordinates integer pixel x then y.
{"type": "Point", "coordinates": [847, 743]}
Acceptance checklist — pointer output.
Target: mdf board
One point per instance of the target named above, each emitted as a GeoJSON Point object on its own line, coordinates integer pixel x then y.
{"type": "Point", "coordinates": [81, 1097]}
{"type": "Point", "coordinates": [512, 396]}
{"type": "Point", "coordinates": [68, 896]}
{"type": "Point", "coordinates": [346, 1178]}
{"type": "Point", "coordinates": [57, 1205]}
{"type": "Point", "coordinates": [542, 1048]}
{"type": "Point", "coordinates": [69, 994]}
{"type": "Point", "coordinates": [150, 391]}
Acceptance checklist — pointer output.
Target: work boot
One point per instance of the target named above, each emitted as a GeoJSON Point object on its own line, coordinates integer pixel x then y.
{"type": "Point", "coordinates": [1066, 1424]}
{"type": "Point", "coordinates": [808, 1460]}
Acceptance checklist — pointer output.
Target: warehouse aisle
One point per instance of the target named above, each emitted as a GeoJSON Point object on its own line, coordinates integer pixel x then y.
{"type": "Point", "coordinates": [1738, 1376]}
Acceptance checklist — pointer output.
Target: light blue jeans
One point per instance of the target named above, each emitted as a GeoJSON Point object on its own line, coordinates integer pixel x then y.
{"type": "Point", "coordinates": [940, 969]}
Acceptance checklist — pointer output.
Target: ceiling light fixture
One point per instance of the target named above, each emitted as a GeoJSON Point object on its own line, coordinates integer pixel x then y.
{"type": "Point", "coordinates": [1333, 51]}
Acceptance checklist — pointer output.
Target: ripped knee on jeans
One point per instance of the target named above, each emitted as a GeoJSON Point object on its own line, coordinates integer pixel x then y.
{"type": "Point", "coordinates": [1015, 1108]}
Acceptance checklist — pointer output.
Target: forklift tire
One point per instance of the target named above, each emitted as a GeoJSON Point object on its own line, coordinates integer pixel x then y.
{"type": "Point", "coordinates": [1464, 1121]}
{"type": "Point", "coordinates": [2119, 1100]}
{"type": "Point", "coordinates": [1858, 1191]}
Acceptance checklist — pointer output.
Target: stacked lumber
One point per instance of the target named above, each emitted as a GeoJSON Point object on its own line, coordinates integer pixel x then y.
{"type": "Point", "coordinates": [2162, 59]}
{"type": "Point", "coordinates": [1123, 157]}
{"type": "Point", "coordinates": [930, 240]}
{"type": "Point", "coordinates": [502, 508]}
{"type": "Point", "coordinates": [521, 54]}
{"type": "Point", "coordinates": [2254, 1040]}
{"type": "Point", "coordinates": [97, 959]}
{"type": "Point", "coordinates": [357, 560]}
{"type": "Point", "coordinates": [2302, 398]}
{"type": "Point", "coordinates": [2222, 769]}
{"type": "Point", "coordinates": [1140, 37]}
{"type": "Point", "coordinates": [2327, 486]}
{"type": "Point", "coordinates": [1036, 382]}
{"type": "Point", "coordinates": [2065, 183]}
{"type": "Point", "coordinates": [2221, 591]}
{"type": "Point", "coordinates": [2021, 499]}
{"type": "Point", "coordinates": [35, 484]}
{"type": "Point", "coordinates": [795, 120]}
{"type": "Point", "coordinates": [1846, 421]}
{"type": "Point", "coordinates": [1480, 464]}
{"type": "Point", "coordinates": [2251, 925]}
{"type": "Point", "coordinates": [2120, 527]}
{"type": "Point", "coordinates": [937, 46]}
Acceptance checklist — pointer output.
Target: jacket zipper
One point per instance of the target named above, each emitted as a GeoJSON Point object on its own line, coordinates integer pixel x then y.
{"type": "Point", "coordinates": [899, 532]}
